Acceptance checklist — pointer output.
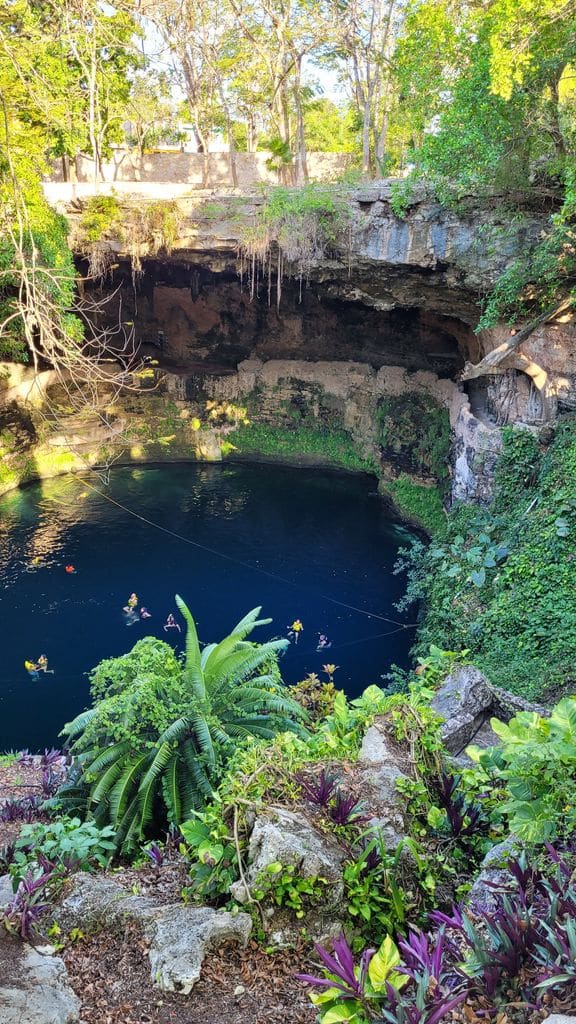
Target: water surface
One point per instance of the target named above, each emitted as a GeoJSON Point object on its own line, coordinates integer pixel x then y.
{"type": "Point", "coordinates": [303, 543]}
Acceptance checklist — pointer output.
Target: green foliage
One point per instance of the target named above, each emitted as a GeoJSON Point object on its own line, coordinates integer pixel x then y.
{"type": "Point", "coordinates": [378, 889]}
{"type": "Point", "coordinates": [259, 775]}
{"type": "Point", "coordinates": [330, 445]}
{"type": "Point", "coordinates": [414, 431]}
{"type": "Point", "coordinates": [316, 697]}
{"type": "Point", "coordinates": [68, 843]}
{"type": "Point", "coordinates": [418, 502]}
{"type": "Point", "coordinates": [517, 616]}
{"type": "Point", "coordinates": [212, 853]}
{"type": "Point", "coordinates": [302, 222]}
{"type": "Point", "coordinates": [285, 887]}
{"type": "Point", "coordinates": [537, 762]}
{"type": "Point", "coordinates": [98, 217]}
{"type": "Point", "coordinates": [536, 280]}
{"type": "Point", "coordinates": [155, 743]}
{"type": "Point", "coordinates": [400, 196]}
{"type": "Point", "coordinates": [517, 469]}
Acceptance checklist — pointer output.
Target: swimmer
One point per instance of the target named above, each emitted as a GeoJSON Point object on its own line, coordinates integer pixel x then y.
{"type": "Point", "coordinates": [42, 665]}
{"type": "Point", "coordinates": [295, 629]}
{"type": "Point", "coordinates": [145, 614]}
{"type": "Point", "coordinates": [171, 624]}
{"type": "Point", "coordinates": [31, 669]}
{"type": "Point", "coordinates": [69, 569]}
{"type": "Point", "coordinates": [132, 604]}
{"type": "Point", "coordinates": [323, 643]}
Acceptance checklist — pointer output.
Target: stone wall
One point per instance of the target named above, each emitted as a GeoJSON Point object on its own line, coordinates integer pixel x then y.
{"type": "Point", "coordinates": [346, 392]}
{"type": "Point", "coordinates": [197, 170]}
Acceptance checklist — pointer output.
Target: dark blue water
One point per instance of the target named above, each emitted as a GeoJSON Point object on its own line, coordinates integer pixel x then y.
{"type": "Point", "coordinates": [326, 535]}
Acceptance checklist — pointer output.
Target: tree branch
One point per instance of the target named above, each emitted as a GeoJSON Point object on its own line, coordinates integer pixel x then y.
{"type": "Point", "coordinates": [499, 354]}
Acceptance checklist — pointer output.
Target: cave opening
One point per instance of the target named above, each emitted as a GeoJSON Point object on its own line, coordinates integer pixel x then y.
{"type": "Point", "coordinates": [193, 316]}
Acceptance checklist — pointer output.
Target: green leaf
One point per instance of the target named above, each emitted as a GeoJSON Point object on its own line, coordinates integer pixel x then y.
{"type": "Point", "coordinates": [383, 963]}
{"type": "Point", "coordinates": [346, 1010]}
{"type": "Point", "coordinates": [478, 577]}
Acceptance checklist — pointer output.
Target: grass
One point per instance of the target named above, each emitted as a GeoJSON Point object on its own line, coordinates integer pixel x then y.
{"type": "Point", "coordinates": [333, 446]}
{"type": "Point", "coordinates": [417, 502]}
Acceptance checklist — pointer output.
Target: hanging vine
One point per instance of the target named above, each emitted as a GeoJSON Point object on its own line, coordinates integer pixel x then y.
{"type": "Point", "coordinates": [294, 228]}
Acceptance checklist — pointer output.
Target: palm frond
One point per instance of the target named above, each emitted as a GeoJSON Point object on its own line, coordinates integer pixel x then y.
{"type": "Point", "coordinates": [177, 730]}
{"type": "Point", "coordinates": [121, 791]}
{"type": "Point", "coordinates": [105, 783]}
{"type": "Point", "coordinates": [149, 785]}
{"type": "Point", "coordinates": [193, 654]}
{"type": "Point", "coordinates": [189, 796]}
{"type": "Point", "coordinates": [171, 790]}
{"type": "Point", "coordinates": [78, 724]}
{"type": "Point", "coordinates": [206, 654]}
{"type": "Point", "coordinates": [128, 832]}
{"type": "Point", "coordinates": [197, 772]}
{"type": "Point", "coordinates": [203, 738]}
{"type": "Point", "coordinates": [238, 666]}
{"type": "Point", "coordinates": [106, 757]}
{"type": "Point", "coordinates": [240, 631]}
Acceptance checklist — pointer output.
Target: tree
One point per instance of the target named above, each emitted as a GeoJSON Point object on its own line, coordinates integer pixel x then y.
{"type": "Point", "coordinates": [151, 112]}
{"type": "Point", "coordinates": [100, 44]}
{"type": "Point", "coordinates": [44, 107]}
{"type": "Point", "coordinates": [160, 733]}
{"type": "Point", "coordinates": [361, 38]}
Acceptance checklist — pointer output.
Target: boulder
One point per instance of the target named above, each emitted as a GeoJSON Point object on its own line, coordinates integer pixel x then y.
{"type": "Point", "coordinates": [6, 891]}
{"type": "Point", "coordinates": [506, 705]}
{"type": "Point", "coordinates": [98, 901]}
{"type": "Point", "coordinates": [289, 838]}
{"type": "Point", "coordinates": [559, 1018]}
{"type": "Point", "coordinates": [464, 701]}
{"type": "Point", "coordinates": [381, 765]}
{"type": "Point", "coordinates": [179, 936]}
{"type": "Point", "coordinates": [494, 876]}
{"type": "Point", "coordinates": [34, 987]}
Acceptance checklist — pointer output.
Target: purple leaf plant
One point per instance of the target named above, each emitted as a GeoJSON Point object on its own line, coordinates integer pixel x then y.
{"type": "Point", "coordinates": [319, 790]}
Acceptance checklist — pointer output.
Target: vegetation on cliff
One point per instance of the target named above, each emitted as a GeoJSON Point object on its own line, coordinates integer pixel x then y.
{"type": "Point", "coordinates": [502, 583]}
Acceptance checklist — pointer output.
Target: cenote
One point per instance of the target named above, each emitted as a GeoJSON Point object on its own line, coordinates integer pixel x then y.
{"type": "Point", "coordinates": [302, 543]}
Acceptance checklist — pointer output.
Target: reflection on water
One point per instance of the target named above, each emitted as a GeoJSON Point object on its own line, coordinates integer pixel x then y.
{"type": "Point", "coordinates": [305, 544]}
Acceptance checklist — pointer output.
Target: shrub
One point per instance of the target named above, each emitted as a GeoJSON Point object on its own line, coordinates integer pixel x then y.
{"type": "Point", "coordinates": [537, 762]}
{"type": "Point", "coordinates": [154, 746]}
{"type": "Point", "coordinates": [65, 843]}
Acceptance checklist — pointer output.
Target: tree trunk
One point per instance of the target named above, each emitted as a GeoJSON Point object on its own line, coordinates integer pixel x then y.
{"type": "Point", "coordinates": [508, 347]}
{"type": "Point", "coordinates": [301, 166]}
{"type": "Point", "coordinates": [366, 124]}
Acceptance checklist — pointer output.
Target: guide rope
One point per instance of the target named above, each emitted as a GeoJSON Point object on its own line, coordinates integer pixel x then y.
{"type": "Point", "coordinates": [248, 565]}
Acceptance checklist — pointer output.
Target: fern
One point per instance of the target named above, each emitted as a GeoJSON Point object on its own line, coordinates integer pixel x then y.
{"type": "Point", "coordinates": [153, 747]}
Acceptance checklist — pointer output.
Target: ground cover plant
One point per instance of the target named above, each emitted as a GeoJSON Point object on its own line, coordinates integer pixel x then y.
{"type": "Point", "coordinates": [516, 956]}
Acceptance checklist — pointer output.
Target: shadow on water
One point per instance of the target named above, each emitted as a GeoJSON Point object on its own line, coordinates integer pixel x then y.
{"type": "Point", "coordinates": [308, 544]}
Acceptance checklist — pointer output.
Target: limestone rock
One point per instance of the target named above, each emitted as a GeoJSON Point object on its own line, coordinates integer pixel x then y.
{"type": "Point", "coordinates": [34, 988]}
{"type": "Point", "coordinates": [463, 701]}
{"type": "Point", "coordinates": [494, 875]}
{"type": "Point", "coordinates": [96, 901]}
{"type": "Point", "coordinates": [559, 1018]}
{"type": "Point", "coordinates": [289, 838]}
{"type": "Point", "coordinates": [506, 705]}
{"type": "Point", "coordinates": [382, 766]}
{"type": "Point", "coordinates": [179, 936]}
{"type": "Point", "coordinates": [6, 891]}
